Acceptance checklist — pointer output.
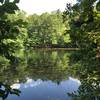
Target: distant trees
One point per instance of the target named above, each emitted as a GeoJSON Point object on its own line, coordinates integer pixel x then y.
{"type": "Point", "coordinates": [46, 30]}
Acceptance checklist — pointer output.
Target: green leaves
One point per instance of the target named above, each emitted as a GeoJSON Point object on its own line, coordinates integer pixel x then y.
{"type": "Point", "coordinates": [46, 29]}
{"type": "Point", "coordinates": [8, 1]}
{"type": "Point", "coordinates": [12, 34]}
{"type": "Point", "coordinates": [8, 8]}
{"type": "Point", "coordinates": [1, 1]}
{"type": "Point", "coordinates": [7, 90]}
{"type": "Point", "coordinates": [15, 91]}
{"type": "Point", "coordinates": [98, 6]}
{"type": "Point", "coordinates": [16, 1]}
{"type": "Point", "coordinates": [85, 33]}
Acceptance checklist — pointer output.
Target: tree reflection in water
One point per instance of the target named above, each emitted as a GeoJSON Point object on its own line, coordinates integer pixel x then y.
{"type": "Point", "coordinates": [37, 64]}
{"type": "Point", "coordinates": [5, 90]}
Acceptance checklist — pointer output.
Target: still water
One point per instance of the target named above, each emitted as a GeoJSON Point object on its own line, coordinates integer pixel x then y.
{"type": "Point", "coordinates": [41, 75]}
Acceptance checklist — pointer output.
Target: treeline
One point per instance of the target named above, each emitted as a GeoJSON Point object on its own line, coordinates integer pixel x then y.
{"type": "Point", "coordinates": [47, 30]}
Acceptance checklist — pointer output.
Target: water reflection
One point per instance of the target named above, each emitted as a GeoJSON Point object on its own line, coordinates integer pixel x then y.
{"type": "Point", "coordinates": [41, 75]}
{"type": "Point", "coordinates": [46, 90]}
{"type": "Point", "coordinates": [5, 90]}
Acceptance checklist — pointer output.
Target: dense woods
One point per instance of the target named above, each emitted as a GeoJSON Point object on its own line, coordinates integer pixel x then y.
{"type": "Point", "coordinates": [47, 30]}
{"type": "Point", "coordinates": [77, 27]}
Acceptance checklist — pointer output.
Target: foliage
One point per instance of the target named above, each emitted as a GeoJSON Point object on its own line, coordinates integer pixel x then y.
{"type": "Point", "coordinates": [84, 22]}
{"type": "Point", "coordinates": [13, 33]}
{"type": "Point", "coordinates": [5, 90]}
{"type": "Point", "coordinates": [3, 61]}
{"type": "Point", "coordinates": [17, 31]}
{"type": "Point", "coordinates": [47, 30]}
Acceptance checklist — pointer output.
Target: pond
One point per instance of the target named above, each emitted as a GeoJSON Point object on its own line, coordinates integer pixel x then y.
{"type": "Point", "coordinates": [41, 75]}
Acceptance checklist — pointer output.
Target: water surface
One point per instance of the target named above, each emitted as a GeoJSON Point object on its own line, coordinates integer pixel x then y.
{"type": "Point", "coordinates": [42, 75]}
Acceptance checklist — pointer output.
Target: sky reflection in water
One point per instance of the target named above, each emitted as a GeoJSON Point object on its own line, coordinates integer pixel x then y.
{"type": "Point", "coordinates": [43, 75]}
{"type": "Point", "coordinates": [45, 90]}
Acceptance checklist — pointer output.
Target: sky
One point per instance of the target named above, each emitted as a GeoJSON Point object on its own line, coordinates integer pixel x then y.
{"type": "Point", "coordinates": [41, 6]}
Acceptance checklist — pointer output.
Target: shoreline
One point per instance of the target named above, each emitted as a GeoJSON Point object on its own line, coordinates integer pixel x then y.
{"type": "Point", "coordinates": [67, 49]}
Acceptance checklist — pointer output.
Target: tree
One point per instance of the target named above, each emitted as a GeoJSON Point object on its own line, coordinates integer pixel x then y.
{"type": "Point", "coordinates": [84, 30]}
{"type": "Point", "coordinates": [11, 29]}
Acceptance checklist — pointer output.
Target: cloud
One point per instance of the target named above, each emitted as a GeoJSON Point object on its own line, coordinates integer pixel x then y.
{"type": "Point", "coordinates": [15, 86]}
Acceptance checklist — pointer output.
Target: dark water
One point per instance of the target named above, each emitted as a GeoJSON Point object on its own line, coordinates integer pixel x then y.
{"type": "Point", "coordinates": [41, 75]}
